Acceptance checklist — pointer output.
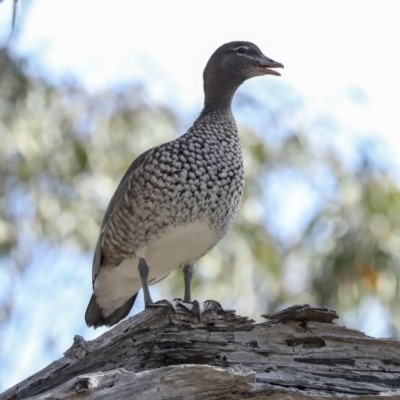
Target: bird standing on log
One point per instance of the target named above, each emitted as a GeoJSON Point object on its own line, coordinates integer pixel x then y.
{"type": "Point", "coordinates": [177, 200]}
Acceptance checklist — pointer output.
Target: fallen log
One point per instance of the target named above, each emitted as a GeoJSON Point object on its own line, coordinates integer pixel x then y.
{"type": "Point", "coordinates": [298, 353]}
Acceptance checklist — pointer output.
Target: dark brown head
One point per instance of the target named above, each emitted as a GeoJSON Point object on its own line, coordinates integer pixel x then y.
{"type": "Point", "coordinates": [232, 64]}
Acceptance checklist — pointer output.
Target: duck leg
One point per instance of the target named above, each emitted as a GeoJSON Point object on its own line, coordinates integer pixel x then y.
{"type": "Point", "coordinates": [194, 306]}
{"type": "Point", "coordinates": [144, 278]}
{"type": "Point", "coordinates": [188, 276]}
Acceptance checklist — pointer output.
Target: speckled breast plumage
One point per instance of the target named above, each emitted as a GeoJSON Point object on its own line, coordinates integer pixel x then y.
{"type": "Point", "coordinates": [197, 177]}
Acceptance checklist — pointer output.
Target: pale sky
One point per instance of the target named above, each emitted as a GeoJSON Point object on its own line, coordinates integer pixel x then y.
{"type": "Point", "coordinates": [329, 48]}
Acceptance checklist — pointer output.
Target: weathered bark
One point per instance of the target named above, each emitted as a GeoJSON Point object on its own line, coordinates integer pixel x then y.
{"type": "Point", "coordinates": [298, 354]}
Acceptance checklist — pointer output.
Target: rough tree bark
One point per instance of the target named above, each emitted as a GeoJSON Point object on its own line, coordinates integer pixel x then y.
{"type": "Point", "coordinates": [299, 353]}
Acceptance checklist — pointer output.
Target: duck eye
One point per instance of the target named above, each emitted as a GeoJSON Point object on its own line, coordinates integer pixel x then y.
{"type": "Point", "coordinates": [242, 50]}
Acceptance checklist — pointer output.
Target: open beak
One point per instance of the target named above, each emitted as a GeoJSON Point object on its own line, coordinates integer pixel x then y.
{"type": "Point", "coordinates": [266, 64]}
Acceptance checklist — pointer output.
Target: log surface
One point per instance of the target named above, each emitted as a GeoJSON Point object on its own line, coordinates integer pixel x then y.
{"type": "Point", "coordinates": [299, 353]}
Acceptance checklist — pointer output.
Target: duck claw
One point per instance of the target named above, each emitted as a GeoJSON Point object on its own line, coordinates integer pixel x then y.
{"type": "Point", "coordinates": [197, 309]}
{"type": "Point", "coordinates": [163, 303]}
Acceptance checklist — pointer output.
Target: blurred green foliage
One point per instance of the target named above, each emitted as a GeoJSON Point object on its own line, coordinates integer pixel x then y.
{"type": "Point", "coordinates": [63, 151]}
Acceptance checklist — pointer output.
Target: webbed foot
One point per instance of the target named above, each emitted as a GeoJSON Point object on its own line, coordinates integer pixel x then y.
{"type": "Point", "coordinates": [162, 303]}
{"type": "Point", "coordinates": [198, 309]}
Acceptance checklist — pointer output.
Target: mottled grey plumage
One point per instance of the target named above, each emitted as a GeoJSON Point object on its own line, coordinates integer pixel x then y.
{"type": "Point", "coordinates": [177, 200]}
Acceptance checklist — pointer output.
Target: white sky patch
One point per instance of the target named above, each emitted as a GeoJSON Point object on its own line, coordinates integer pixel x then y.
{"type": "Point", "coordinates": [326, 47]}
{"type": "Point", "coordinates": [316, 40]}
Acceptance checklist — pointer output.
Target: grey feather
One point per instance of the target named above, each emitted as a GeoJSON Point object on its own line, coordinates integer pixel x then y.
{"type": "Point", "coordinates": [97, 258]}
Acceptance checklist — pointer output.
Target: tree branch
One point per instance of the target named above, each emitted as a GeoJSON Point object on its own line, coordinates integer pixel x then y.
{"type": "Point", "coordinates": [298, 354]}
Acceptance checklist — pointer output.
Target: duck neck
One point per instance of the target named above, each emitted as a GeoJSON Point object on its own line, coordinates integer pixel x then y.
{"type": "Point", "coordinates": [219, 93]}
